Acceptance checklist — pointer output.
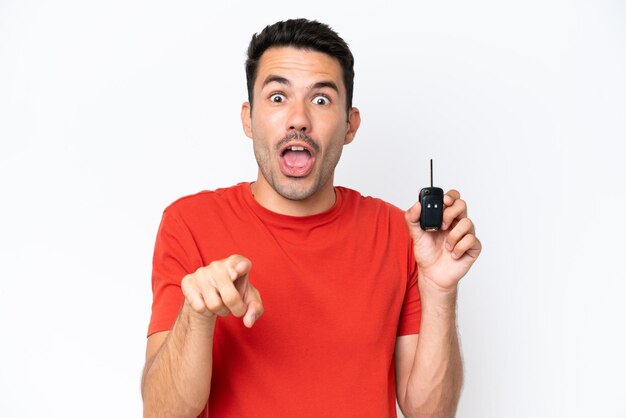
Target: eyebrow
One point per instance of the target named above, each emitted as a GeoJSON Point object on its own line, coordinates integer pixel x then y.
{"type": "Point", "coordinates": [276, 79]}
{"type": "Point", "coordinates": [322, 84]}
{"type": "Point", "coordinates": [282, 80]}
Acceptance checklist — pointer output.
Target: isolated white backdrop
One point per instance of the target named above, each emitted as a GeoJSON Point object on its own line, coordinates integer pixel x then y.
{"type": "Point", "coordinates": [111, 110]}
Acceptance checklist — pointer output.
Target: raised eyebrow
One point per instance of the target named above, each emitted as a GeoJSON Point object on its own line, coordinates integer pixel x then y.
{"type": "Point", "coordinates": [316, 86]}
{"type": "Point", "coordinates": [276, 79]}
{"type": "Point", "coordinates": [322, 84]}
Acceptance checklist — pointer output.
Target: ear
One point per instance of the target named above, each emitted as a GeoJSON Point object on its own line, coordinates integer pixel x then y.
{"type": "Point", "coordinates": [354, 121]}
{"type": "Point", "coordinates": [246, 119]}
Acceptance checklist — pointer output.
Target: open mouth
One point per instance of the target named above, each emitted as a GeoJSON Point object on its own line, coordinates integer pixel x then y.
{"type": "Point", "coordinates": [296, 160]}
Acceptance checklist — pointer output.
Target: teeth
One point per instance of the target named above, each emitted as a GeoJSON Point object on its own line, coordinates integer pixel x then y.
{"type": "Point", "coordinates": [296, 148]}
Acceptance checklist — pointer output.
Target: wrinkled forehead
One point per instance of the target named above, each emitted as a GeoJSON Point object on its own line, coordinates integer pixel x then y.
{"type": "Point", "coordinates": [297, 65]}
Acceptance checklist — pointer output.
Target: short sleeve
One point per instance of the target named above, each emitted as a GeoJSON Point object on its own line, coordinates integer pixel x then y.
{"type": "Point", "coordinates": [411, 313]}
{"type": "Point", "coordinates": [175, 256]}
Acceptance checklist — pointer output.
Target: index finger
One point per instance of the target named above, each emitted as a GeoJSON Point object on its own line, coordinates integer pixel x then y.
{"type": "Point", "coordinates": [231, 298]}
{"type": "Point", "coordinates": [450, 196]}
{"type": "Point", "coordinates": [238, 266]}
{"type": "Point", "coordinates": [223, 276]}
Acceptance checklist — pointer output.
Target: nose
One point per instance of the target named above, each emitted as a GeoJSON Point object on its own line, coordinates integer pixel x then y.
{"type": "Point", "coordinates": [299, 118]}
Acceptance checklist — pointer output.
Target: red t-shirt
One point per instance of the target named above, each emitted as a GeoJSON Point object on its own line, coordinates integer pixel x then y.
{"type": "Point", "coordinates": [338, 288]}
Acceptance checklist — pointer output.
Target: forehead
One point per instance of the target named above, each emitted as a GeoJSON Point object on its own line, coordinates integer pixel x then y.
{"type": "Point", "coordinates": [297, 65]}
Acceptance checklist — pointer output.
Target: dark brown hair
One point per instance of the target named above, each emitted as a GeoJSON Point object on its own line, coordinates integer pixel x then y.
{"type": "Point", "coordinates": [303, 34]}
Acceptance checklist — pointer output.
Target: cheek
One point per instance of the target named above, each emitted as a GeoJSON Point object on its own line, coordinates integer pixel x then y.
{"type": "Point", "coordinates": [264, 134]}
{"type": "Point", "coordinates": [336, 131]}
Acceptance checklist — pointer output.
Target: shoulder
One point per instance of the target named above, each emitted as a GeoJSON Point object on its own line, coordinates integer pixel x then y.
{"type": "Point", "coordinates": [382, 223]}
{"type": "Point", "coordinates": [205, 199]}
{"type": "Point", "coordinates": [205, 196]}
{"type": "Point", "coordinates": [354, 199]}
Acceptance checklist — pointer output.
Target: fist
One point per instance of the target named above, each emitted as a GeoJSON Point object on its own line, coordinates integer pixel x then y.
{"type": "Point", "coordinates": [222, 288]}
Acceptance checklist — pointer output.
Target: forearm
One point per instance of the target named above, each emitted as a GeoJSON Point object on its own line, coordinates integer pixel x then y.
{"type": "Point", "coordinates": [177, 381]}
{"type": "Point", "coordinates": [435, 381]}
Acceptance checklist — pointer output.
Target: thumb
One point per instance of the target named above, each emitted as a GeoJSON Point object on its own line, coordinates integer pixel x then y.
{"type": "Point", "coordinates": [255, 307]}
{"type": "Point", "coordinates": [412, 217]}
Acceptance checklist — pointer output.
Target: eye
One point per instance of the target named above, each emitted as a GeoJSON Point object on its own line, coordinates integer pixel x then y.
{"type": "Point", "coordinates": [321, 100]}
{"type": "Point", "coordinates": [277, 98]}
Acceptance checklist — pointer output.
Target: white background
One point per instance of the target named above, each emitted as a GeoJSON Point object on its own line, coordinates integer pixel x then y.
{"type": "Point", "coordinates": [111, 110]}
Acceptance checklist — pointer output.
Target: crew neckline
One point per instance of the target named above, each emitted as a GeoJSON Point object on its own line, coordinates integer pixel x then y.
{"type": "Point", "coordinates": [281, 219]}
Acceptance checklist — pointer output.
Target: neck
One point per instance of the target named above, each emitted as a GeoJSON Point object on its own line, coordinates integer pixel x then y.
{"type": "Point", "coordinates": [266, 196]}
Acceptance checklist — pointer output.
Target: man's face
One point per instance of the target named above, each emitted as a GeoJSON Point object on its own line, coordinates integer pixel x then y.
{"type": "Point", "coordinates": [298, 121]}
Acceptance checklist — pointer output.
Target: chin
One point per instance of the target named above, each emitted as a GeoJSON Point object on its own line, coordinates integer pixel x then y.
{"type": "Point", "coordinates": [293, 190]}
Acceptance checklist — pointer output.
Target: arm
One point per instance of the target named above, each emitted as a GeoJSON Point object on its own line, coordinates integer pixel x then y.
{"type": "Point", "coordinates": [176, 380]}
{"type": "Point", "coordinates": [429, 369]}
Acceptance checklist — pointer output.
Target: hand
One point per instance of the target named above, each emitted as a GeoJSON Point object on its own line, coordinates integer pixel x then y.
{"type": "Point", "coordinates": [444, 256]}
{"type": "Point", "coordinates": [223, 288]}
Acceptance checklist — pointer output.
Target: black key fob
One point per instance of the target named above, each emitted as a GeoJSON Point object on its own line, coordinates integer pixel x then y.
{"type": "Point", "coordinates": [431, 199]}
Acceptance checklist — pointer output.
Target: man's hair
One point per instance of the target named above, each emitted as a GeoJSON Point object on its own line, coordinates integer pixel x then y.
{"type": "Point", "coordinates": [302, 34]}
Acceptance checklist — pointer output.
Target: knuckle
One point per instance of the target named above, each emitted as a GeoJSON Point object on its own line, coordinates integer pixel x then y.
{"type": "Point", "coordinates": [196, 303]}
{"type": "Point", "coordinates": [215, 306]}
{"type": "Point", "coordinates": [201, 271]}
{"type": "Point", "coordinates": [463, 242]}
{"type": "Point", "coordinates": [197, 276]}
{"type": "Point", "coordinates": [197, 307]}
{"type": "Point", "coordinates": [214, 303]}
{"type": "Point", "coordinates": [454, 236]}
{"type": "Point", "coordinates": [212, 273]}
{"type": "Point", "coordinates": [187, 285]}
{"type": "Point", "coordinates": [190, 278]}
{"type": "Point", "coordinates": [184, 283]}
{"type": "Point", "coordinates": [212, 268]}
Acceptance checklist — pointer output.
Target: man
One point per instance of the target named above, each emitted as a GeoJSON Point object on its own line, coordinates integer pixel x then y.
{"type": "Point", "coordinates": [329, 303]}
